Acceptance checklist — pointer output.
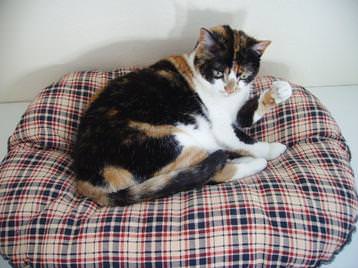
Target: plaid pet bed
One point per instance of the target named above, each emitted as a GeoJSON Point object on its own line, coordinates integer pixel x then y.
{"type": "Point", "coordinates": [298, 212]}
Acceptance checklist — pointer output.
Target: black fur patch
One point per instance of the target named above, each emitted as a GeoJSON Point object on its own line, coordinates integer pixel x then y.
{"type": "Point", "coordinates": [243, 136]}
{"type": "Point", "coordinates": [143, 96]}
{"type": "Point", "coordinates": [193, 177]}
{"type": "Point", "coordinates": [245, 116]}
{"type": "Point", "coordinates": [249, 62]}
{"type": "Point", "coordinates": [221, 59]}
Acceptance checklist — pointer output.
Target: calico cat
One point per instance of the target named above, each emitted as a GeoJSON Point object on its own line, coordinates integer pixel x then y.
{"type": "Point", "coordinates": [176, 125]}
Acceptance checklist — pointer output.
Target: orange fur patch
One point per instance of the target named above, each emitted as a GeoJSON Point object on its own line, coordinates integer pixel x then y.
{"type": "Point", "coordinates": [167, 74]}
{"type": "Point", "coordinates": [268, 99]}
{"type": "Point", "coordinates": [96, 95]}
{"type": "Point", "coordinates": [95, 193]}
{"type": "Point", "coordinates": [220, 30]}
{"type": "Point", "coordinates": [161, 178]}
{"type": "Point", "coordinates": [183, 67]}
{"type": "Point", "coordinates": [153, 130]}
{"type": "Point", "coordinates": [188, 157]}
{"type": "Point", "coordinates": [112, 112]}
{"type": "Point", "coordinates": [266, 102]}
{"type": "Point", "coordinates": [225, 174]}
{"type": "Point", "coordinates": [236, 44]}
{"type": "Point", "coordinates": [118, 178]}
{"type": "Point", "coordinates": [151, 185]}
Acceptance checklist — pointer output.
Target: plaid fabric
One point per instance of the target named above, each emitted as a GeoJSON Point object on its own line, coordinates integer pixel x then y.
{"type": "Point", "coordinates": [296, 213]}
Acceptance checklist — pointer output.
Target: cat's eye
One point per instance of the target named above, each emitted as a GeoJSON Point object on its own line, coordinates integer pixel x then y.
{"type": "Point", "coordinates": [244, 76]}
{"type": "Point", "coordinates": [218, 74]}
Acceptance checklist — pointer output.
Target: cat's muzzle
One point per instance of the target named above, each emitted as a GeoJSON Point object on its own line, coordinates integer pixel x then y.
{"type": "Point", "coordinates": [231, 86]}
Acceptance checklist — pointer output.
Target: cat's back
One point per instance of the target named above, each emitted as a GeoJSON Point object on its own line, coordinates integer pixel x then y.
{"type": "Point", "coordinates": [159, 94]}
{"type": "Point", "coordinates": [134, 119]}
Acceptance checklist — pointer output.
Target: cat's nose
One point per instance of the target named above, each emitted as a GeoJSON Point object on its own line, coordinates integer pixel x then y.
{"type": "Point", "coordinates": [230, 86]}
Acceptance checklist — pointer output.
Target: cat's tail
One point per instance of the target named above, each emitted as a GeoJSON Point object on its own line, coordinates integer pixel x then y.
{"type": "Point", "coordinates": [173, 182]}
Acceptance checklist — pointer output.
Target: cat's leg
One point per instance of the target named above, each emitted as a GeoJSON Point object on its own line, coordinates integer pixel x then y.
{"type": "Point", "coordinates": [118, 178]}
{"type": "Point", "coordinates": [175, 180]}
{"type": "Point", "coordinates": [265, 150]}
{"type": "Point", "coordinates": [254, 109]}
{"type": "Point", "coordinates": [240, 168]}
{"type": "Point", "coordinates": [193, 167]}
{"type": "Point", "coordinates": [233, 139]}
{"type": "Point", "coordinates": [258, 149]}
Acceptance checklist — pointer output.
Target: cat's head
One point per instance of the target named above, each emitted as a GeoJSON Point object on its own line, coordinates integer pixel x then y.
{"type": "Point", "coordinates": [227, 58]}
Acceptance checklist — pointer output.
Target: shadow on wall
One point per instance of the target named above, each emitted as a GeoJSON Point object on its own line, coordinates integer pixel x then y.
{"type": "Point", "coordinates": [181, 39]}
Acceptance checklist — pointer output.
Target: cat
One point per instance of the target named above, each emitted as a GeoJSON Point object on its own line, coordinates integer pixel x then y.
{"type": "Point", "coordinates": [176, 125]}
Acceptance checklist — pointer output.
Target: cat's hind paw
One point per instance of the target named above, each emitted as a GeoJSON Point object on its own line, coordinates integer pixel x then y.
{"type": "Point", "coordinates": [281, 91]}
{"type": "Point", "coordinates": [276, 149]}
{"type": "Point", "coordinates": [247, 166]}
{"type": "Point", "coordinates": [239, 168]}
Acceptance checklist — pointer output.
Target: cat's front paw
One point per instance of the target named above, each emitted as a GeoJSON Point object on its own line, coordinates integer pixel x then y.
{"type": "Point", "coordinates": [275, 150]}
{"type": "Point", "coordinates": [281, 91]}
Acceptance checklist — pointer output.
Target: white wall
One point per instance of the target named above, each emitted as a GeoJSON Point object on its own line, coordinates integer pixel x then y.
{"type": "Point", "coordinates": [314, 42]}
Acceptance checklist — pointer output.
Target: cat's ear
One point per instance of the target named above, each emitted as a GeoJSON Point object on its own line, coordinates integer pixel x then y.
{"type": "Point", "coordinates": [207, 40]}
{"type": "Point", "coordinates": [260, 46]}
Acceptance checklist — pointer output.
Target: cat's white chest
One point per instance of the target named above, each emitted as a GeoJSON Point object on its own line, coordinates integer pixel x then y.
{"type": "Point", "coordinates": [221, 112]}
{"type": "Point", "coordinates": [223, 109]}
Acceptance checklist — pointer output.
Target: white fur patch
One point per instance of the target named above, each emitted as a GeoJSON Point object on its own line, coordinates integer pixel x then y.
{"type": "Point", "coordinates": [265, 150]}
{"type": "Point", "coordinates": [276, 149]}
{"type": "Point", "coordinates": [218, 133]}
{"type": "Point", "coordinates": [248, 166]}
{"type": "Point", "coordinates": [257, 116]}
{"type": "Point", "coordinates": [281, 91]}
{"type": "Point", "coordinates": [200, 136]}
{"type": "Point", "coordinates": [220, 108]}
